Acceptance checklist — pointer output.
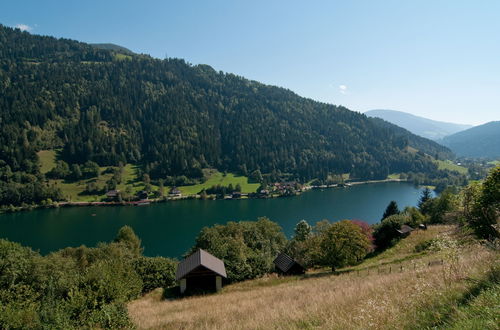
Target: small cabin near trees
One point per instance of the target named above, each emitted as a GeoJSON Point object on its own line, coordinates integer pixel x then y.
{"type": "Point", "coordinates": [286, 265]}
{"type": "Point", "coordinates": [404, 231]}
{"type": "Point", "coordinates": [200, 272]}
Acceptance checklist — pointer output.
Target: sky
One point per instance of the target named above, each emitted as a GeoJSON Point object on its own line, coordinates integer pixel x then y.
{"type": "Point", "coordinates": [438, 59]}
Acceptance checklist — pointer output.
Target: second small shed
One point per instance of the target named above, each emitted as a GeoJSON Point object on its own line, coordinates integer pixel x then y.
{"type": "Point", "coordinates": [201, 271]}
{"type": "Point", "coordinates": [286, 265]}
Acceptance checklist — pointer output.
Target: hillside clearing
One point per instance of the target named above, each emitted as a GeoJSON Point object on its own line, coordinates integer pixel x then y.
{"type": "Point", "coordinates": [409, 289]}
{"type": "Point", "coordinates": [74, 190]}
{"type": "Point", "coordinates": [47, 160]}
{"type": "Point", "coordinates": [218, 178]}
{"type": "Point", "coordinates": [450, 166]}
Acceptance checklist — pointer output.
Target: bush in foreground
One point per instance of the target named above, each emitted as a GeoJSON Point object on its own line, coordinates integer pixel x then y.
{"type": "Point", "coordinates": [77, 287]}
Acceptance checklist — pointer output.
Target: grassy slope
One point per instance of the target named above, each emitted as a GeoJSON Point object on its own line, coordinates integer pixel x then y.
{"type": "Point", "coordinates": [412, 295]}
{"type": "Point", "coordinates": [72, 190]}
{"type": "Point", "coordinates": [216, 178]}
{"type": "Point", "coordinates": [47, 160]}
{"type": "Point", "coordinates": [449, 165]}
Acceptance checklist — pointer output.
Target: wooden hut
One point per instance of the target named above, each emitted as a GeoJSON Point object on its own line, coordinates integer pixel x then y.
{"type": "Point", "coordinates": [201, 271]}
{"type": "Point", "coordinates": [286, 265]}
{"type": "Point", "coordinates": [404, 231]}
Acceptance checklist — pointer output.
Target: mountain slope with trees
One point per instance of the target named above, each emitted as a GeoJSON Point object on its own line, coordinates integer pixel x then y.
{"type": "Point", "coordinates": [479, 141]}
{"type": "Point", "coordinates": [173, 119]}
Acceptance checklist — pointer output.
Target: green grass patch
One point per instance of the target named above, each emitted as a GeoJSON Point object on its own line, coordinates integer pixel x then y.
{"type": "Point", "coordinates": [483, 312]}
{"type": "Point", "coordinates": [411, 150]}
{"type": "Point", "coordinates": [215, 178]}
{"type": "Point", "coordinates": [450, 166]}
{"type": "Point", "coordinates": [47, 160]}
{"type": "Point", "coordinates": [122, 57]}
{"type": "Point", "coordinates": [494, 162]}
{"type": "Point", "coordinates": [477, 306]}
{"type": "Point", "coordinates": [73, 190]}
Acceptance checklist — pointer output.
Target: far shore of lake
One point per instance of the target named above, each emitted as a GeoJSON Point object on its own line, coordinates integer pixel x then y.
{"type": "Point", "coordinates": [147, 202]}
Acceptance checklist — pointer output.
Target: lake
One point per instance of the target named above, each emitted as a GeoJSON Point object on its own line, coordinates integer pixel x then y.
{"type": "Point", "coordinates": [169, 229]}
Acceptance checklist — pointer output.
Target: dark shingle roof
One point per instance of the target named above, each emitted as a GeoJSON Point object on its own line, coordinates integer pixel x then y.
{"type": "Point", "coordinates": [284, 262]}
{"type": "Point", "coordinates": [200, 258]}
{"type": "Point", "coordinates": [405, 229]}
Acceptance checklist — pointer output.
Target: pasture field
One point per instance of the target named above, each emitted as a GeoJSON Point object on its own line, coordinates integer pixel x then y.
{"type": "Point", "coordinates": [401, 288]}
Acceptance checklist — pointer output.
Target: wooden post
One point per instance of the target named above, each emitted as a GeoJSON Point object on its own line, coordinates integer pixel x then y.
{"type": "Point", "coordinates": [218, 283]}
{"type": "Point", "coordinates": [183, 285]}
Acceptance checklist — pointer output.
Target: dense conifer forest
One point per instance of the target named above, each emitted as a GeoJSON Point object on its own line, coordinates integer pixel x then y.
{"type": "Point", "coordinates": [173, 118]}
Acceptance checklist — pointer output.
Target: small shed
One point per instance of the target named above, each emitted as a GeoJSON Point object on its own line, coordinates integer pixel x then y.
{"type": "Point", "coordinates": [286, 265]}
{"type": "Point", "coordinates": [174, 192]}
{"type": "Point", "coordinates": [112, 193]}
{"type": "Point", "coordinates": [404, 231]}
{"type": "Point", "coordinates": [143, 194]}
{"type": "Point", "coordinates": [201, 271]}
{"type": "Point", "coordinates": [422, 226]}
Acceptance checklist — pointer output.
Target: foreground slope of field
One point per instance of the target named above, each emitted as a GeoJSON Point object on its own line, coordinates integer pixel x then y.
{"type": "Point", "coordinates": [401, 288]}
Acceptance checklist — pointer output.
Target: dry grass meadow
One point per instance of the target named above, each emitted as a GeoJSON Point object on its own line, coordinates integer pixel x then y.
{"type": "Point", "coordinates": [398, 289]}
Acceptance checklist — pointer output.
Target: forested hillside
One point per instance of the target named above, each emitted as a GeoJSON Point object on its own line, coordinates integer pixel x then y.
{"type": "Point", "coordinates": [481, 141]}
{"type": "Point", "coordinates": [173, 118]}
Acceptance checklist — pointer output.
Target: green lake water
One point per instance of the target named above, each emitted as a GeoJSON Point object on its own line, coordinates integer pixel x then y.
{"type": "Point", "coordinates": [169, 229]}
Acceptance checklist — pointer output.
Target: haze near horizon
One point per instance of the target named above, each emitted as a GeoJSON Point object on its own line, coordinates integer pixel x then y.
{"type": "Point", "coordinates": [437, 60]}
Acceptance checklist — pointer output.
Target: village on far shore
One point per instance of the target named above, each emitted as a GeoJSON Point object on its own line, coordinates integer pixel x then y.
{"type": "Point", "coordinates": [274, 190]}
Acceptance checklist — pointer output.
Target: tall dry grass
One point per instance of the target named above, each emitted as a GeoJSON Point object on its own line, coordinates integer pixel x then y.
{"type": "Point", "coordinates": [350, 301]}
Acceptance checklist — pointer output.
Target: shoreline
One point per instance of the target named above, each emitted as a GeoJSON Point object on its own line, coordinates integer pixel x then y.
{"type": "Point", "coordinates": [147, 202]}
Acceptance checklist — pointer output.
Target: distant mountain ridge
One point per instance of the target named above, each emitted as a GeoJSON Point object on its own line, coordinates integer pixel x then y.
{"type": "Point", "coordinates": [479, 141]}
{"type": "Point", "coordinates": [428, 128]}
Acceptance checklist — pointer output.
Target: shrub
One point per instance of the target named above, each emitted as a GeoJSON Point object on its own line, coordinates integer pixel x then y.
{"type": "Point", "coordinates": [343, 244]}
{"type": "Point", "coordinates": [424, 245]}
{"type": "Point", "coordinates": [75, 287]}
{"type": "Point", "coordinates": [155, 272]}
{"type": "Point", "coordinates": [386, 231]}
{"type": "Point", "coordinates": [247, 248]}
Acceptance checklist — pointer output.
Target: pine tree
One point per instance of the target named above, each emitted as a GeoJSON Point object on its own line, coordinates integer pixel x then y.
{"type": "Point", "coordinates": [391, 209]}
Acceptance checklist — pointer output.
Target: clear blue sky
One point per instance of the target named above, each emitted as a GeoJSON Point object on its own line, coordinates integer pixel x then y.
{"type": "Point", "coordinates": [439, 59]}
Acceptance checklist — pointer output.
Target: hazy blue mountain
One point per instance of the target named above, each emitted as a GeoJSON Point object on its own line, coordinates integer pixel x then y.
{"type": "Point", "coordinates": [427, 128]}
{"type": "Point", "coordinates": [116, 48]}
{"type": "Point", "coordinates": [478, 141]}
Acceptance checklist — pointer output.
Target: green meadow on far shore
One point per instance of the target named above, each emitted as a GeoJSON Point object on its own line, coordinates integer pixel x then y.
{"type": "Point", "coordinates": [73, 190]}
{"type": "Point", "coordinates": [450, 166]}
